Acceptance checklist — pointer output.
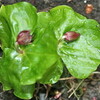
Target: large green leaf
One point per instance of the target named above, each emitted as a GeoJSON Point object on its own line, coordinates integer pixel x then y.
{"type": "Point", "coordinates": [82, 56]}
{"type": "Point", "coordinates": [32, 63]}
{"type": "Point", "coordinates": [13, 19]}
{"type": "Point", "coordinates": [18, 17]}
{"type": "Point", "coordinates": [10, 75]}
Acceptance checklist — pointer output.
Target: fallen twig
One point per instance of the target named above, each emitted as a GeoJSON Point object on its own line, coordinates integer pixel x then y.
{"type": "Point", "coordinates": [68, 78]}
{"type": "Point", "coordinates": [96, 72]}
{"type": "Point", "coordinates": [76, 88]}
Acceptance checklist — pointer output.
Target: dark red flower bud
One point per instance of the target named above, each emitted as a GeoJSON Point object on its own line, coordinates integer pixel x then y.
{"type": "Point", "coordinates": [71, 36]}
{"type": "Point", "coordinates": [24, 37]}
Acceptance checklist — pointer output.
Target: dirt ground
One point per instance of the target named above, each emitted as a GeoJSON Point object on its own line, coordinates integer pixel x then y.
{"type": "Point", "coordinates": [70, 89]}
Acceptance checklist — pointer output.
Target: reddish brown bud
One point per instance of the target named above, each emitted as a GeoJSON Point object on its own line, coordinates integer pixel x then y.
{"type": "Point", "coordinates": [24, 37]}
{"type": "Point", "coordinates": [89, 8]}
{"type": "Point", "coordinates": [71, 36]}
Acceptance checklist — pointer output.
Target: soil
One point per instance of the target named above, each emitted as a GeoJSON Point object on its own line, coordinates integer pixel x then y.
{"type": "Point", "coordinates": [89, 88]}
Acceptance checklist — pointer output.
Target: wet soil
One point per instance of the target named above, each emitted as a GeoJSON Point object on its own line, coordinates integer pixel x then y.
{"type": "Point", "coordinates": [89, 89]}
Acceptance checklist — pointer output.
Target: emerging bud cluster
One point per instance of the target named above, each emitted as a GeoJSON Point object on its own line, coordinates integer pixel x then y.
{"type": "Point", "coordinates": [71, 36]}
{"type": "Point", "coordinates": [24, 37]}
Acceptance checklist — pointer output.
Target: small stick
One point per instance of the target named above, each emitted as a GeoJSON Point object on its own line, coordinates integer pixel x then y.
{"type": "Point", "coordinates": [68, 78]}
{"type": "Point", "coordinates": [76, 88]}
{"type": "Point", "coordinates": [72, 87]}
{"type": "Point", "coordinates": [69, 0]}
{"type": "Point", "coordinates": [48, 90]}
{"type": "Point", "coordinates": [96, 72]}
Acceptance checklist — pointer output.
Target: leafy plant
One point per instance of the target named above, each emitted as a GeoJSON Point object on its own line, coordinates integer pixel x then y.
{"type": "Point", "coordinates": [35, 50]}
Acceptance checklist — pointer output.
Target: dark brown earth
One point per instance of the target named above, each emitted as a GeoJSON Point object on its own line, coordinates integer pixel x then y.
{"type": "Point", "coordinates": [89, 88]}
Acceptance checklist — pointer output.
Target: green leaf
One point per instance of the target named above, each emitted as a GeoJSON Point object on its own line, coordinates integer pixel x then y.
{"type": "Point", "coordinates": [29, 64]}
{"type": "Point", "coordinates": [10, 75]}
{"type": "Point", "coordinates": [82, 56]}
{"type": "Point", "coordinates": [18, 17]}
{"type": "Point", "coordinates": [13, 19]}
